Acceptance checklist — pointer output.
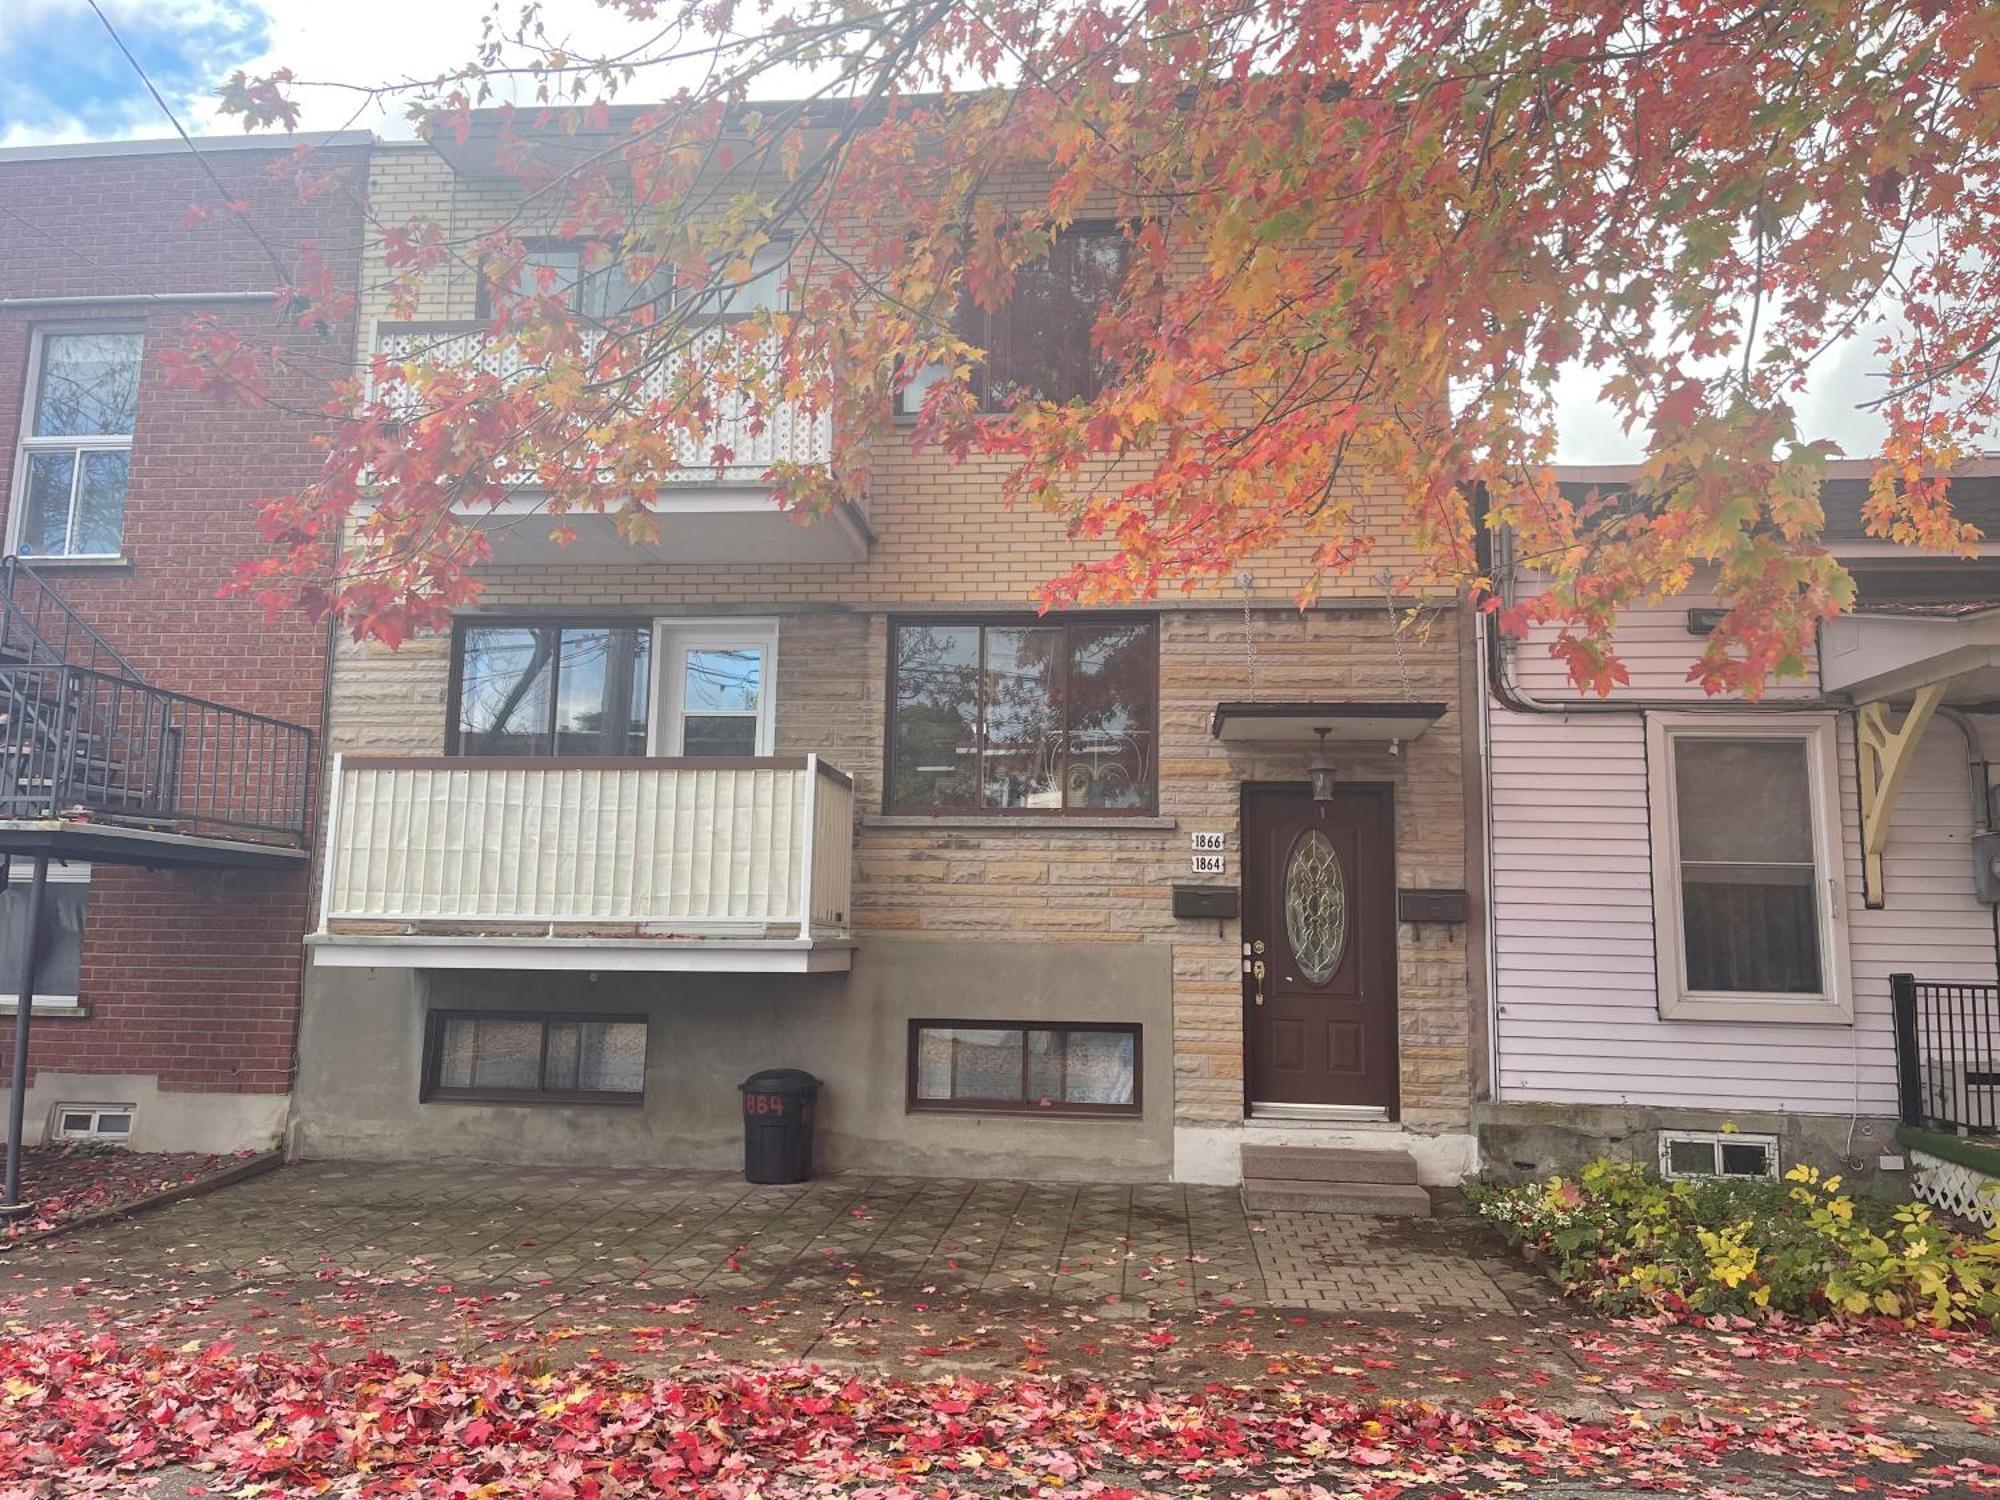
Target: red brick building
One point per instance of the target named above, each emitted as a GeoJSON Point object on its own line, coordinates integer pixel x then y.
{"type": "Point", "coordinates": [169, 957]}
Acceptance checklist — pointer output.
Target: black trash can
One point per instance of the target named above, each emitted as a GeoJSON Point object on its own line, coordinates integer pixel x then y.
{"type": "Point", "coordinates": [778, 1106]}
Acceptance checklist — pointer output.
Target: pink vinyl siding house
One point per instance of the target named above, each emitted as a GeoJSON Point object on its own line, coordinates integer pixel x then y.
{"type": "Point", "coordinates": [1685, 950]}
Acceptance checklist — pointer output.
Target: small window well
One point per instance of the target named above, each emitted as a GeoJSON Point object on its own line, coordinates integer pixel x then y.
{"type": "Point", "coordinates": [1717, 1153]}
{"type": "Point", "coordinates": [94, 1122]}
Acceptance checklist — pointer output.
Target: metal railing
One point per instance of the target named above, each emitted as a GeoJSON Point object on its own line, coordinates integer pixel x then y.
{"type": "Point", "coordinates": [76, 742]}
{"type": "Point", "coordinates": [38, 626]}
{"type": "Point", "coordinates": [1947, 1054]}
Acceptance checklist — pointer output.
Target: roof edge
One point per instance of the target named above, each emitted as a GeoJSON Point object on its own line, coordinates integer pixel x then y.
{"type": "Point", "coordinates": [172, 145]}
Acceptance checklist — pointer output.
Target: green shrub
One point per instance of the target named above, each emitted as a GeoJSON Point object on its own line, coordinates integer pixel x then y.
{"type": "Point", "coordinates": [1631, 1242]}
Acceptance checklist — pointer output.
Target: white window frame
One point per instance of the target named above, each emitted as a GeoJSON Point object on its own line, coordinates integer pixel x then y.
{"type": "Point", "coordinates": [95, 1131]}
{"type": "Point", "coordinates": [672, 639]}
{"type": "Point", "coordinates": [1834, 1005]}
{"type": "Point", "coordinates": [20, 871]}
{"type": "Point", "coordinates": [26, 443]}
{"type": "Point", "coordinates": [1718, 1139]}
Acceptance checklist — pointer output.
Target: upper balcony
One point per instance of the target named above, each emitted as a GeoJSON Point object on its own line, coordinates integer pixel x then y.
{"type": "Point", "coordinates": [96, 763]}
{"type": "Point", "coordinates": [605, 863]}
{"type": "Point", "coordinates": [717, 515]}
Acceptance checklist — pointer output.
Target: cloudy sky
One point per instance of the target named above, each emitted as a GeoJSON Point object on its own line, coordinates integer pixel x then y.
{"type": "Point", "coordinates": [62, 79]}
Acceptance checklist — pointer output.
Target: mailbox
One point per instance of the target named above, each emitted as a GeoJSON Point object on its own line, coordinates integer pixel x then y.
{"type": "Point", "coordinates": [1430, 906]}
{"type": "Point", "coordinates": [1205, 900]}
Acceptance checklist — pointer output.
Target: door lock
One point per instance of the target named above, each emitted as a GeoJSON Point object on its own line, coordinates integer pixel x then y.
{"type": "Point", "coordinates": [1258, 946]}
{"type": "Point", "coordinates": [1257, 973]}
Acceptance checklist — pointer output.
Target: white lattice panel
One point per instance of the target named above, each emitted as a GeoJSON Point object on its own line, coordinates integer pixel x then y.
{"type": "Point", "coordinates": [1956, 1189]}
{"type": "Point", "coordinates": [790, 434]}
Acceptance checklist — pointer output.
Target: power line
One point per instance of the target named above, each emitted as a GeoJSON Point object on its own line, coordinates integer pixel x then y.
{"type": "Point", "coordinates": [63, 245]}
{"type": "Point", "coordinates": [277, 264]}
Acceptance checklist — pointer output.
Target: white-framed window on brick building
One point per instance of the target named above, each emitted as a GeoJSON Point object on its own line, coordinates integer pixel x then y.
{"type": "Point", "coordinates": [1747, 894]}
{"type": "Point", "coordinates": [74, 459]}
{"type": "Point", "coordinates": [59, 956]}
{"type": "Point", "coordinates": [716, 690]}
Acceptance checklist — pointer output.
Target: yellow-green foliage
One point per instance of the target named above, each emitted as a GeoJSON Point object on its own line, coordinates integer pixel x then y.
{"type": "Point", "coordinates": [1630, 1241]}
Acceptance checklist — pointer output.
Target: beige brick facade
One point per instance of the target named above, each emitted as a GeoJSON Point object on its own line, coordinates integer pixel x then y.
{"type": "Point", "coordinates": [945, 544]}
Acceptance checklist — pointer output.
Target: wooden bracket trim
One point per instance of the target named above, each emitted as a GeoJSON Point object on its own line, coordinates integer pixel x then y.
{"type": "Point", "coordinates": [1883, 756]}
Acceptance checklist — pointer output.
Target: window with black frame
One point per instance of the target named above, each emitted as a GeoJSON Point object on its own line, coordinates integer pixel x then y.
{"type": "Point", "coordinates": [1076, 1067]}
{"type": "Point", "coordinates": [499, 1057]}
{"type": "Point", "coordinates": [1038, 345]}
{"type": "Point", "coordinates": [1023, 716]}
{"type": "Point", "coordinates": [534, 689]}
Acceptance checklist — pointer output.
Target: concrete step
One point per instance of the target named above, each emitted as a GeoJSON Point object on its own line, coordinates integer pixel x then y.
{"type": "Point", "coordinates": [1328, 1164]}
{"type": "Point", "coordinates": [1385, 1199]}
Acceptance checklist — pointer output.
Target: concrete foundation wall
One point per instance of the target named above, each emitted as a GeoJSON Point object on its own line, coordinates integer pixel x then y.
{"type": "Point", "coordinates": [162, 1119]}
{"type": "Point", "coordinates": [361, 1051]}
{"type": "Point", "coordinates": [1521, 1141]}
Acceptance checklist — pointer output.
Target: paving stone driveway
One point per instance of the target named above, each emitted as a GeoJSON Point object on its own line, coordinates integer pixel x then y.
{"type": "Point", "coordinates": [1161, 1245]}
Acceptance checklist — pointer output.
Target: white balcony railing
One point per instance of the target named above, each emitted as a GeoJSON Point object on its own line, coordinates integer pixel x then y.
{"type": "Point", "coordinates": [701, 852]}
{"type": "Point", "coordinates": [789, 434]}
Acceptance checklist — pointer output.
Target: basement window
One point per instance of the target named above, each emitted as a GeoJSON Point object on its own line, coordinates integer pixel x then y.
{"type": "Point", "coordinates": [1717, 1153]}
{"type": "Point", "coordinates": [94, 1122]}
{"type": "Point", "coordinates": [1073, 1068]}
{"type": "Point", "coordinates": [502, 1057]}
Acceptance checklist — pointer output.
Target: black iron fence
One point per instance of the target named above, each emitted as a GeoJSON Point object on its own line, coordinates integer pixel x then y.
{"type": "Point", "coordinates": [1947, 1054]}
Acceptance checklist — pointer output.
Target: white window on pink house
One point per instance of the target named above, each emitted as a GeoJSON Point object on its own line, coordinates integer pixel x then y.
{"type": "Point", "coordinates": [1749, 913]}
{"type": "Point", "coordinates": [75, 455]}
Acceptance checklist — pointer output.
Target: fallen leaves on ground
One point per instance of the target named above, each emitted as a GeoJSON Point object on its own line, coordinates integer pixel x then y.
{"type": "Point", "coordinates": [75, 1180]}
{"type": "Point", "coordinates": [91, 1411]}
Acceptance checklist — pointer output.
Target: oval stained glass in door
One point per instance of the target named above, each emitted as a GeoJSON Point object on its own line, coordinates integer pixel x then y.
{"type": "Point", "coordinates": [1315, 906]}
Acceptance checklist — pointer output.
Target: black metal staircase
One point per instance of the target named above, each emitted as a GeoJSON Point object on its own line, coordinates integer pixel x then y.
{"type": "Point", "coordinates": [85, 738]}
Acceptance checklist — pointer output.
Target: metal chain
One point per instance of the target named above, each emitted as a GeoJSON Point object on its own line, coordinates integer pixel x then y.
{"type": "Point", "coordinates": [1246, 580]}
{"type": "Point", "coordinates": [1396, 633]}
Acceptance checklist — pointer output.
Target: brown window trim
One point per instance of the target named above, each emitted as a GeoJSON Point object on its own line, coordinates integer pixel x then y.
{"type": "Point", "coordinates": [430, 1091]}
{"type": "Point", "coordinates": [455, 678]}
{"type": "Point", "coordinates": [914, 1105]}
{"type": "Point", "coordinates": [1150, 808]}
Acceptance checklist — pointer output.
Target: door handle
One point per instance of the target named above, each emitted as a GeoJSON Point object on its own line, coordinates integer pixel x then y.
{"type": "Point", "coordinates": [1257, 973]}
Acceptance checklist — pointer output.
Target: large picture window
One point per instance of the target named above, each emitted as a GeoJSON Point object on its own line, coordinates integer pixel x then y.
{"type": "Point", "coordinates": [503, 1056]}
{"type": "Point", "coordinates": [551, 689]}
{"type": "Point", "coordinates": [1072, 1068]}
{"type": "Point", "coordinates": [1746, 846]}
{"type": "Point", "coordinates": [1023, 717]}
{"type": "Point", "coordinates": [75, 457]}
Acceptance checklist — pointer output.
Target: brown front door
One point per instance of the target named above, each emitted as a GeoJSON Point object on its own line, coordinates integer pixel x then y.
{"type": "Point", "coordinates": [1319, 890]}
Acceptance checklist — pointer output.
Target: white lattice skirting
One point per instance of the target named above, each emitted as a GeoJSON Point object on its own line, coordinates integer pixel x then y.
{"type": "Point", "coordinates": [1964, 1191]}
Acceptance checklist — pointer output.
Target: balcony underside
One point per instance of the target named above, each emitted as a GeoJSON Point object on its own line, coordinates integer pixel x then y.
{"type": "Point", "coordinates": [620, 955]}
{"type": "Point", "coordinates": [729, 523]}
{"type": "Point", "coordinates": [111, 844]}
